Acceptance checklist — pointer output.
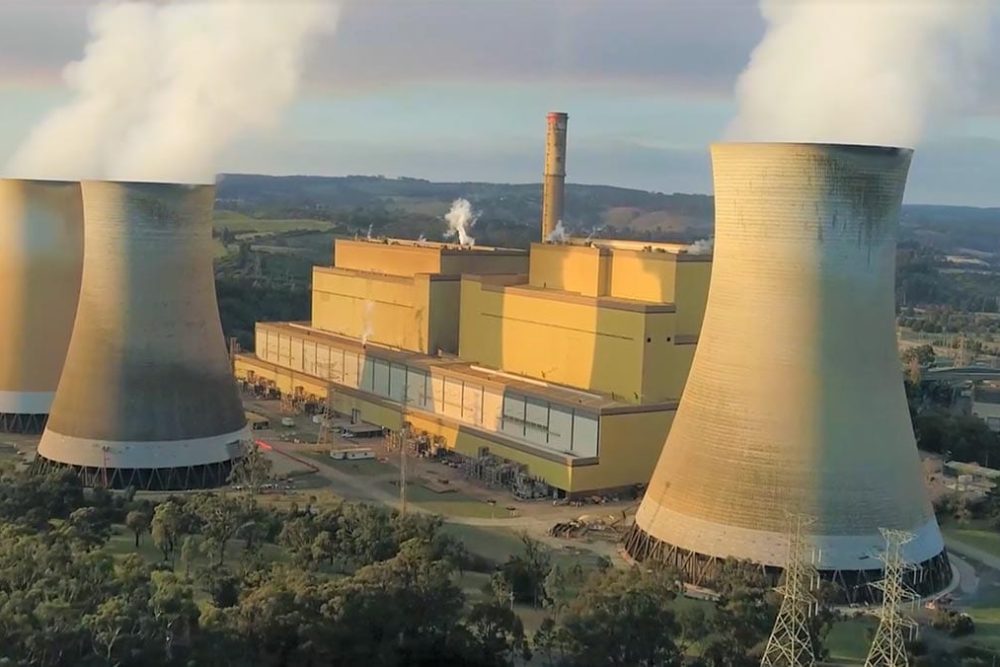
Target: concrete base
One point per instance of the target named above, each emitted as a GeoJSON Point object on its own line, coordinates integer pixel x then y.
{"type": "Point", "coordinates": [855, 585]}
{"type": "Point", "coordinates": [26, 402]}
{"type": "Point", "coordinates": [84, 452]}
{"type": "Point", "coordinates": [833, 552]}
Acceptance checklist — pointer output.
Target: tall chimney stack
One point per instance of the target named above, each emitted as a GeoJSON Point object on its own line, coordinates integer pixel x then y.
{"type": "Point", "coordinates": [555, 173]}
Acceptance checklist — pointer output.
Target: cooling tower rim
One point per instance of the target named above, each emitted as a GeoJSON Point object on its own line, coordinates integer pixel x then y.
{"type": "Point", "coordinates": [784, 145]}
{"type": "Point", "coordinates": [139, 183]}
{"type": "Point", "coordinates": [37, 181]}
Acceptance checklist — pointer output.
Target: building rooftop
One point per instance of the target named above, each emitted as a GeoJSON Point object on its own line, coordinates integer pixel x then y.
{"type": "Point", "coordinates": [678, 249]}
{"type": "Point", "coordinates": [435, 246]}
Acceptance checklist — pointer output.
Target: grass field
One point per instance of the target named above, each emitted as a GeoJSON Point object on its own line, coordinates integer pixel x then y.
{"type": "Point", "coordinates": [448, 504]}
{"type": "Point", "coordinates": [849, 641]}
{"type": "Point", "coordinates": [983, 538]}
{"type": "Point", "coordinates": [238, 223]}
{"type": "Point", "coordinates": [497, 544]}
{"type": "Point", "coordinates": [987, 620]}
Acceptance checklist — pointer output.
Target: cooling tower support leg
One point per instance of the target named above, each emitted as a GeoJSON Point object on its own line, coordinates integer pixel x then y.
{"type": "Point", "coordinates": [145, 479]}
{"type": "Point", "coordinates": [855, 586]}
{"type": "Point", "coordinates": [22, 423]}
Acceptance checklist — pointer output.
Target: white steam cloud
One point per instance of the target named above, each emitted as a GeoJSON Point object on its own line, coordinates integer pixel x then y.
{"type": "Point", "coordinates": [870, 72]}
{"type": "Point", "coordinates": [162, 88]}
{"type": "Point", "coordinates": [460, 219]}
{"type": "Point", "coordinates": [701, 247]}
{"type": "Point", "coordinates": [559, 234]}
{"type": "Point", "coordinates": [368, 321]}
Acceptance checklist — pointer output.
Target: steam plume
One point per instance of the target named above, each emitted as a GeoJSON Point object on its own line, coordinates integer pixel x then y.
{"type": "Point", "coordinates": [860, 72]}
{"type": "Point", "coordinates": [367, 318]}
{"type": "Point", "coordinates": [558, 234]}
{"type": "Point", "coordinates": [460, 218]}
{"type": "Point", "coordinates": [701, 247]}
{"type": "Point", "coordinates": [163, 88]}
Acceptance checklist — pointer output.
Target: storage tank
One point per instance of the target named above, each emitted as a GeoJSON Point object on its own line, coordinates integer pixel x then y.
{"type": "Point", "coordinates": [41, 259]}
{"type": "Point", "coordinates": [795, 400]}
{"type": "Point", "coordinates": [146, 397]}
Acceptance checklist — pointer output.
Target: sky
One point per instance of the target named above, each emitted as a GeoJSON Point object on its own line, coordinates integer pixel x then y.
{"type": "Point", "coordinates": [459, 89]}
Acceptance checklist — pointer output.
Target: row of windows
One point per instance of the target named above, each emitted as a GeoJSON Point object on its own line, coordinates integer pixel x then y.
{"type": "Point", "coordinates": [539, 422]}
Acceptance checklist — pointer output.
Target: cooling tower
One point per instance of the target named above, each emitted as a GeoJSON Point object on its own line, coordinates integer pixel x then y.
{"type": "Point", "coordinates": [41, 257]}
{"type": "Point", "coordinates": [553, 189]}
{"type": "Point", "coordinates": [146, 397]}
{"type": "Point", "coordinates": [795, 399]}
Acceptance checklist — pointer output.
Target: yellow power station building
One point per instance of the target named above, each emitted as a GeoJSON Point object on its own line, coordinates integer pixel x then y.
{"type": "Point", "coordinates": [568, 360]}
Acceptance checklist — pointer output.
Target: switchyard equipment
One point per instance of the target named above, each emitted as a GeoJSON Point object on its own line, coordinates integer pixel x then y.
{"type": "Point", "coordinates": [41, 261]}
{"type": "Point", "coordinates": [146, 397]}
{"type": "Point", "coordinates": [795, 398]}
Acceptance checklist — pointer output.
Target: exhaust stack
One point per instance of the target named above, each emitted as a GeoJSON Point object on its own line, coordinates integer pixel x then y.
{"type": "Point", "coordinates": [41, 260]}
{"type": "Point", "coordinates": [795, 400]}
{"type": "Point", "coordinates": [146, 397]}
{"type": "Point", "coordinates": [553, 189]}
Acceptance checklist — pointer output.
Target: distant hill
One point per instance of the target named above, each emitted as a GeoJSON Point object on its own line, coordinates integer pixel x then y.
{"type": "Point", "coordinates": [413, 204]}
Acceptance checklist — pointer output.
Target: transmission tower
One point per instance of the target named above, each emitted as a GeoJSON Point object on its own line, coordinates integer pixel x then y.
{"type": "Point", "coordinates": [790, 644]}
{"type": "Point", "coordinates": [894, 628]}
{"type": "Point", "coordinates": [323, 438]}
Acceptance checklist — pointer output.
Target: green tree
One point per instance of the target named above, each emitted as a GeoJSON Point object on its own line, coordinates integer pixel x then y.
{"type": "Point", "coordinates": [138, 522]}
{"type": "Point", "coordinates": [922, 354]}
{"type": "Point", "coordinates": [165, 527]}
{"type": "Point", "coordinates": [252, 470]}
{"type": "Point", "coordinates": [623, 618]}
{"type": "Point", "coordinates": [220, 518]}
{"type": "Point", "coordinates": [526, 573]}
{"type": "Point", "coordinates": [499, 633]}
{"type": "Point", "coordinates": [190, 547]}
{"type": "Point", "coordinates": [87, 527]}
{"type": "Point", "coordinates": [546, 643]}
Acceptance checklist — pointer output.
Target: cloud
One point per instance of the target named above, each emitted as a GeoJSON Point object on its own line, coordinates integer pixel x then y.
{"type": "Point", "coordinates": [388, 42]}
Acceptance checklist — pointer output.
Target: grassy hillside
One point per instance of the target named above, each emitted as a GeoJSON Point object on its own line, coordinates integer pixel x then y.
{"type": "Point", "coordinates": [411, 207]}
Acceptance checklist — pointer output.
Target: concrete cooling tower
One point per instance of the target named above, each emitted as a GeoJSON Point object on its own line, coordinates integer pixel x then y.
{"type": "Point", "coordinates": [795, 400]}
{"type": "Point", "coordinates": [41, 258]}
{"type": "Point", "coordinates": [146, 397]}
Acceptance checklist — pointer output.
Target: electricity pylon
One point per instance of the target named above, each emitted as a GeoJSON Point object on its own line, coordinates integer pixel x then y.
{"type": "Point", "coordinates": [894, 628]}
{"type": "Point", "coordinates": [790, 644]}
{"type": "Point", "coordinates": [323, 438]}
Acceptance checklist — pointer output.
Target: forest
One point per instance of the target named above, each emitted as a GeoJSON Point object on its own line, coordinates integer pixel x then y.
{"type": "Point", "coordinates": [227, 579]}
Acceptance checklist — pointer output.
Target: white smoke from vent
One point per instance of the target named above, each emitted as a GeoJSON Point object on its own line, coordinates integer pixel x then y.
{"type": "Point", "coordinates": [163, 88]}
{"type": "Point", "coordinates": [368, 321]}
{"type": "Point", "coordinates": [701, 247]}
{"type": "Point", "coordinates": [849, 71]}
{"type": "Point", "coordinates": [558, 234]}
{"type": "Point", "coordinates": [460, 219]}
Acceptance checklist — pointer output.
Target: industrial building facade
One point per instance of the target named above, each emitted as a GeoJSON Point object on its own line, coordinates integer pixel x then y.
{"type": "Point", "coordinates": [567, 361]}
